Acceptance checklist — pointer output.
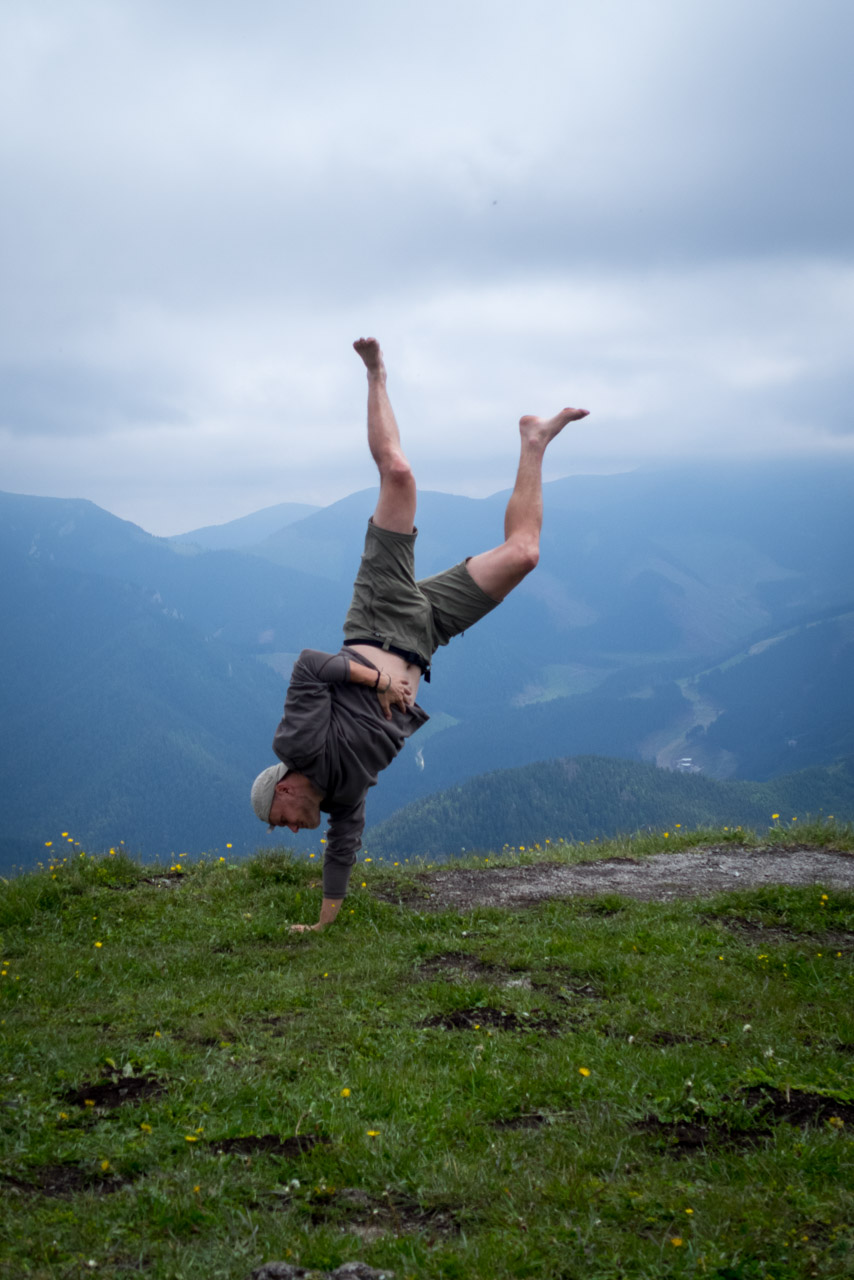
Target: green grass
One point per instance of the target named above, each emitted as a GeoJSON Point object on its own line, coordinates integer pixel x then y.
{"type": "Point", "coordinates": [592, 1088]}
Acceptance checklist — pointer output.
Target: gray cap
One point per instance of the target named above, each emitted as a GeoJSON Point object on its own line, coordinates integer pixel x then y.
{"type": "Point", "coordinates": [263, 789]}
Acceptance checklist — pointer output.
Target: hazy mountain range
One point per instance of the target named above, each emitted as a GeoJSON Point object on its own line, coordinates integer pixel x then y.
{"type": "Point", "coordinates": [702, 611]}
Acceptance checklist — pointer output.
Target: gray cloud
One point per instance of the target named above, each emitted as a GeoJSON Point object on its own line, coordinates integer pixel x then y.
{"type": "Point", "coordinates": [641, 206]}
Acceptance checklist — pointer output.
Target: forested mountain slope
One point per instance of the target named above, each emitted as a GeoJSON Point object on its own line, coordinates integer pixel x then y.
{"type": "Point", "coordinates": [590, 797]}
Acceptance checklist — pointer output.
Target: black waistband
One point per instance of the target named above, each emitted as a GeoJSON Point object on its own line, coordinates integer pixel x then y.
{"type": "Point", "coordinates": [406, 654]}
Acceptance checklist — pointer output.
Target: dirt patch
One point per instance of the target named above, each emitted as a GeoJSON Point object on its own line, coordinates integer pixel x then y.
{"type": "Point", "coordinates": [167, 880]}
{"type": "Point", "coordinates": [755, 930]}
{"type": "Point", "coordinates": [768, 1106]}
{"type": "Point", "coordinates": [369, 1216]}
{"type": "Point", "coordinates": [485, 1016]}
{"type": "Point", "coordinates": [797, 1106]}
{"type": "Point", "coordinates": [472, 968]}
{"type": "Point", "coordinates": [64, 1180]}
{"type": "Point", "coordinates": [115, 1091]}
{"type": "Point", "coordinates": [666, 1038]}
{"type": "Point", "coordinates": [251, 1144]}
{"type": "Point", "coordinates": [687, 1137]}
{"type": "Point", "coordinates": [660, 878]}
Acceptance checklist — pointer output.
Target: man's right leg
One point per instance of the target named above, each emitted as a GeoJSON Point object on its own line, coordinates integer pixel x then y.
{"type": "Point", "coordinates": [498, 571]}
{"type": "Point", "coordinates": [395, 508]}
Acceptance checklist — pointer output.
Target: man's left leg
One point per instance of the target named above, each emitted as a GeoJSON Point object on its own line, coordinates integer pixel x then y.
{"type": "Point", "coordinates": [501, 569]}
{"type": "Point", "coordinates": [395, 509]}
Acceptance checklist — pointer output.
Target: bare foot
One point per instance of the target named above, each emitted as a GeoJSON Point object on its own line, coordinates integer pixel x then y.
{"type": "Point", "coordinates": [306, 928]}
{"type": "Point", "coordinates": [540, 431]}
{"type": "Point", "coordinates": [369, 350]}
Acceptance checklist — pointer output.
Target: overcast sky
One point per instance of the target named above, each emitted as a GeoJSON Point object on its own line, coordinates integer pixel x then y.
{"type": "Point", "coordinates": [643, 207]}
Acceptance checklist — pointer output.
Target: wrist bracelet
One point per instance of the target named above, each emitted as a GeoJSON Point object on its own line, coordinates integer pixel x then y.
{"type": "Point", "coordinates": [377, 681]}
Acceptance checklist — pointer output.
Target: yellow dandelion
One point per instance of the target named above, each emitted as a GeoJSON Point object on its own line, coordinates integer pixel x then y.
{"type": "Point", "coordinates": [99, 944]}
{"type": "Point", "coordinates": [368, 859]}
{"type": "Point", "coordinates": [678, 825]}
{"type": "Point", "coordinates": [676, 1241]}
{"type": "Point", "coordinates": [373, 1133]}
{"type": "Point", "coordinates": [63, 1115]}
{"type": "Point", "coordinates": [345, 1093]}
{"type": "Point", "coordinates": [190, 1137]}
{"type": "Point", "coordinates": [157, 1035]}
{"type": "Point", "coordinates": [105, 1164]}
{"type": "Point", "coordinates": [196, 1189]}
{"type": "Point", "coordinates": [88, 1102]}
{"type": "Point", "coordinates": [584, 1071]}
{"type": "Point", "coordinates": [689, 1210]}
{"type": "Point", "coordinates": [65, 835]}
{"type": "Point", "coordinates": [145, 1127]}
{"type": "Point", "coordinates": [775, 816]}
{"type": "Point", "coordinates": [228, 846]}
{"type": "Point", "coordinates": [667, 835]}
{"type": "Point", "coordinates": [48, 843]}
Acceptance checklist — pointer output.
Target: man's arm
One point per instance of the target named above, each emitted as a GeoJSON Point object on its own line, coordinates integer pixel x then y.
{"type": "Point", "coordinates": [301, 735]}
{"type": "Point", "coordinates": [343, 841]}
{"type": "Point", "coordinates": [329, 909]}
{"type": "Point", "coordinates": [392, 691]}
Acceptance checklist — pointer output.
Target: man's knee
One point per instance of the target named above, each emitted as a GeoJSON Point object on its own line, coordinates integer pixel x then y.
{"type": "Point", "coordinates": [526, 555]}
{"type": "Point", "coordinates": [396, 473]}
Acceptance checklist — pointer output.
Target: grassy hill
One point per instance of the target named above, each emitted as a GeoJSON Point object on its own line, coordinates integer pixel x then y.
{"type": "Point", "coordinates": [591, 798]}
{"type": "Point", "coordinates": [592, 1087]}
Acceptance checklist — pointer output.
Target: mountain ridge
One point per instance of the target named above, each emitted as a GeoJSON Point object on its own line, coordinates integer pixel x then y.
{"type": "Point", "coordinates": [647, 583]}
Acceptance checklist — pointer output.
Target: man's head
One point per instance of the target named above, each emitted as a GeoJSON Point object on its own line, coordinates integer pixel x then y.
{"type": "Point", "coordinates": [286, 799]}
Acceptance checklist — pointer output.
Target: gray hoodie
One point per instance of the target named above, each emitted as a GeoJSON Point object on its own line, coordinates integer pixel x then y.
{"type": "Point", "coordinates": [336, 734]}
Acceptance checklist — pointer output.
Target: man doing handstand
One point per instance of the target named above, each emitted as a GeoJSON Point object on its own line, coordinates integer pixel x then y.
{"type": "Point", "coordinates": [347, 715]}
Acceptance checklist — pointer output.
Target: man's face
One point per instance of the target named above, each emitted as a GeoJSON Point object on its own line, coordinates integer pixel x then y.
{"type": "Point", "coordinates": [293, 810]}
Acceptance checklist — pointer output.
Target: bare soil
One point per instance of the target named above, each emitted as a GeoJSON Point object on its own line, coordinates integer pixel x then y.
{"type": "Point", "coordinates": [115, 1091]}
{"type": "Point", "coordinates": [252, 1144]}
{"type": "Point", "coordinates": [662, 877]}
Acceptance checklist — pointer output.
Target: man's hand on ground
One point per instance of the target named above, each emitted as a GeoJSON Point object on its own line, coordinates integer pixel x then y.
{"type": "Point", "coordinates": [329, 909]}
{"type": "Point", "coordinates": [398, 694]}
